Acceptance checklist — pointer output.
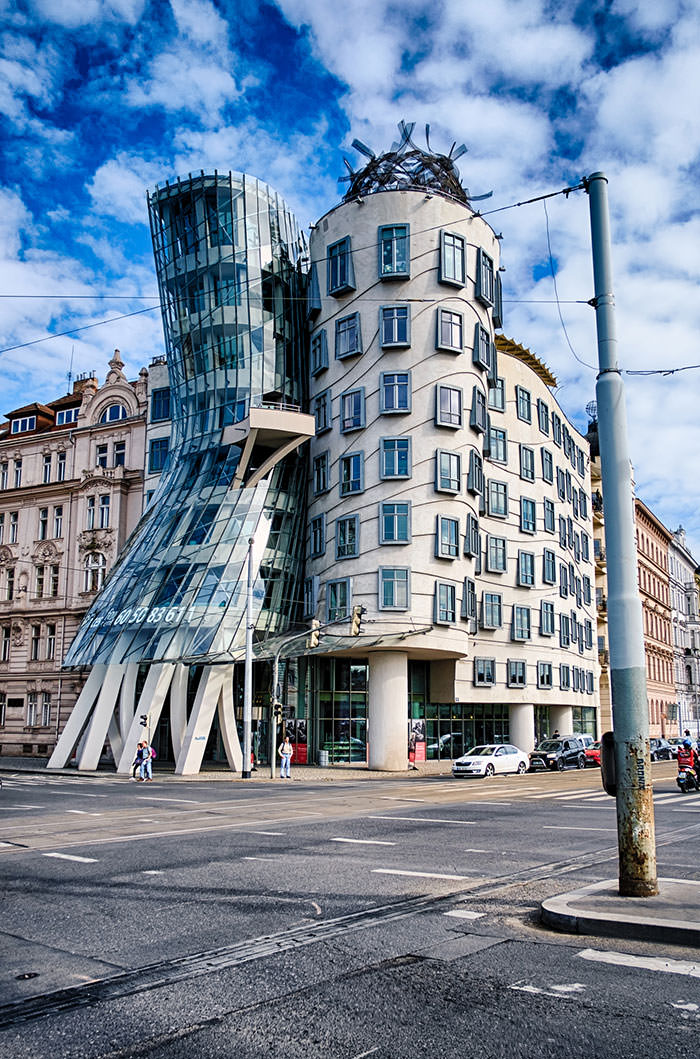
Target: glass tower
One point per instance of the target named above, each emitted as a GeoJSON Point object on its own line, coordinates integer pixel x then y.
{"type": "Point", "coordinates": [231, 264]}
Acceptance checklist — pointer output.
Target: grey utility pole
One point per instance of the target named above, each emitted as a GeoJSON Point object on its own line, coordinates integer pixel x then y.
{"type": "Point", "coordinates": [248, 671]}
{"type": "Point", "coordinates": [635, 807]}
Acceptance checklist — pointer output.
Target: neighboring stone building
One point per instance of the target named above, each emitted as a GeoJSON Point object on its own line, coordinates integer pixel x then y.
{"type": "Point", "coordinates": [71, 475]}
{"type": "Point", "coordinates": [601, 580]}
{"type": "Point", "coordinates": [685, 619]}
{"type": "Point", "coordinates": [653, 540]}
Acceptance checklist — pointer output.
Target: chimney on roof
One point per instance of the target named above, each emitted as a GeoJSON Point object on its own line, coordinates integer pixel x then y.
{"type": "Point", "coordinates": [86, 381]}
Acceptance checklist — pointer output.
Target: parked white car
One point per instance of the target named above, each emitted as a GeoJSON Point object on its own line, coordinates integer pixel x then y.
{"type": "Point", "coordinates": [489, 759]}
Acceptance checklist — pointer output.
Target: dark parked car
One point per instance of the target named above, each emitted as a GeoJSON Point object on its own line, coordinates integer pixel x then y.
{"type": "Point", "coordinates": [661, 750]}
{"type": "Point", "coordinates": [558, 754]}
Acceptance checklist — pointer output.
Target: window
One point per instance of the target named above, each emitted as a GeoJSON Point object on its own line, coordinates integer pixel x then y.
{"type": "Point", "coordinates": [310, 596]}
{"type": "Point", "coordinates": [50, 641]}
{"type": "Point", "coordinates": [556, 429]}
{"type": "Point", "coordinates": [563, 580]}
{"type": "Point", "coordinates": [95, 565]}
{"type": "Point", "coordinates": [564, 677]}
{"type": "Point", "coordinates": [43, 523]}
{"type": "Point", "coordinates": [46, 473]}
{"type": "Point", "coordinates": [341, 278]}
{"type": "Point", "coordinates": [395, 325]}
{"type": "Point", "coordinates": [348, 340]}
{"type": "Point", "coordinates": [352, 410]}
{"type": "Point", "coordinates": [484, 291]}
{"type": "Point", "coordinates": [547, 466]}
{"type": "Point", "coordinates": [104, 511]}
{"type": "Point", "coordinates": [526, 569]}
{"type": "Point", "coordinates": [3, 475]}
{"type": "Point", "coordinates": [319, 352]}
{"type": "Point", "coordinates": [516, 673]}
{"type": "Point", "coordinates": [395, 523]}
{"type": "Point", "coordinates": [588, 633]}
{"type": "Point", "coordinates": [475, 474]}
{"type": "Point", "coordinates": [20, 425]}
{"type": "Point", "coordinates": [478, 418]}
{"type": "Point", "coordinates": [338, 599]}
{"type": "Point", "coordinates": [497, 396]}
{"type": "Point", "coordinates": [564, 630]}
{"type": "Point", "coordinates": [498, 445]}
{"type": "Point", "coordinates": [448, 406]}
{"type": "Point", "coordinates": [563, 536]}
{"type": "Point", "coordinates": [543, 416]}
{"type": "Point", "coordinates": [561, 484]}
{"type": "Point", "coordinates": [491, 610]}
{"type": "Point", "coordinates": [445, 603]}
{"type": "Point", "coordinates": [39, 581]}
{"type": "Point", "coordinates": [157, 455]}
{"type": "Point", "coordinates": [546, 619]}
{"type": "Point", "coordinates": [90, 513]}
{"type": "Point", "coordinates": [318, 536]}
{"type": "Point", "coordinates": [119, 453]}
{"type": "Point", "coordinates": [447, 537]}
{"type": "Point", "coordinates": [528, 518]}
{"type": "Point", "coordinates": [523, 404]}
{"type": "Point", "coordinates": [53, 587]}
{"type": "Point", "coordinates": [322, 411]}
{"type": "Point", "coordinates": [34, 643]}
{"type": "Point", "coordinates": [484, 672]}
{"type": "Point", "coordinates": [2, 526]}
{"type": "Point", "coordinates": [66, 415]}
{"type": "Point", "coordinates": [352, 473]}
{"type": "Point", "coordinates": [481, 354]}
{"type": "Point", "coordinates": [586, 589]}
{"type": "Point", "coordinates": [160, 404]}
{"type": "Point", "coordinates": [395, 392]}
{"type": "Point", "coordinates": [544, 674]}
{"type": "Point", "coordinates": [394, 588]}
{"type": "Point", "coordinates": [6, 641]}
{"type": "Point", "coordinates": [469, 601]}
{"type": "Point", "coordinates": [395, 458]}
{"type": "Point", "coordinates": [347, 537]}
{"type": "Point", "coordinates": [14, 524]}
{"type": "Point", "coordinates": [549, 567]}
{"type": "Point", "coordinates": [61, 467]}
{"type": "Point", "coordinates": [527, 463]}
{"type": "Point", "coordinates": [448, 471]}
{"type": "Point", "coordinates": [320, 474]}
{"type": "Point", "coordinates": [472, 540]}
{"type": "Point", "coordinates": [498, 499]}
{"type": "Point", "coordinates": [18, 474]}
{"type": "Point", "coordinates": [495, 554]}
{"type": "Point", "coordinates": [394, 256]}
{"type": "Point", "coordinates": [549, 516]}
{"type": "Point", "coordinates": [452, 259]}
{"type": "Point", "coordinates": [583, 503]}
{"type": "Point", "coordinates": [521, 629]}
{"type": "Point", "coordinates": [58, 521]}
{"type": "Point", "coordinates": [450, 326]}
{"type": "Point", "coordinates": [101, 454]}
{"type": "Point", "coordinates": [45, 708]}
{"type": "Point", "coordinates": [113, 413]}
{"type": "Point", "coordinates": [32, 703]}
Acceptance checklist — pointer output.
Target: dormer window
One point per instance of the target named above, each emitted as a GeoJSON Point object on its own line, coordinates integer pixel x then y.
{"type": "Point", "coordinates": [113, 413]}
{"type": "Point", "coordinates": [66, 415]}
{"type": "Point", "coordinates": [20, 425]}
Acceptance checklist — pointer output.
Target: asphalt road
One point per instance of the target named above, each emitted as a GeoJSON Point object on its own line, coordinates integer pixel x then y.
{"type": "Point", "coordinates": [387, 918]}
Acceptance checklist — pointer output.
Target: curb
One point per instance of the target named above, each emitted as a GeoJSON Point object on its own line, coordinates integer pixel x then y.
{"type": "Point", "coordinates": [615, 918]}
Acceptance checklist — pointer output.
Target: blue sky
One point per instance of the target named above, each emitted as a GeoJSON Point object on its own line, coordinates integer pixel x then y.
{"type": "Point", "coordinates": [101, 100]}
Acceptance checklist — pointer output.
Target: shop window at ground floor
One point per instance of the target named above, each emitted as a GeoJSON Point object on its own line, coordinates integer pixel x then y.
{"type": "Point", "coordinates": [453, 728]}
{"type": "Point", "coordinates": [585, 720]}
{"type": "Point", "coordinates": [341, 709]}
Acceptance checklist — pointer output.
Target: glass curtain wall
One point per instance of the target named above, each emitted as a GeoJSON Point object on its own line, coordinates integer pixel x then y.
{"type": "Point", "coordinates": [231, 263]}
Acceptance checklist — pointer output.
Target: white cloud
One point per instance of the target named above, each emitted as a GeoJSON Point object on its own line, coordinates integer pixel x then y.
{"type": "Point", "coordinates": [118, 188]}
{"type": "Point", "coordinates": [72, 14]}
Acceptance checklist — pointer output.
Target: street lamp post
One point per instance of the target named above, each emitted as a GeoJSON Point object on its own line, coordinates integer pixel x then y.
{"type": "Point", "coordinates": [248, 672]}
{"type": "Point", "coordinates": [635, 806]}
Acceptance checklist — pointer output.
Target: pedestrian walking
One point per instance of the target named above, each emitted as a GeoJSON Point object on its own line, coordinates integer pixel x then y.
{"type": "Point", "coordinates": [412, 751]}
{"type": "Point", "coordinates": [285, 752]}
{"type": "Point", "coordinates": [136, 763]}
{"type": "Point", "coordinates": [147, 755]}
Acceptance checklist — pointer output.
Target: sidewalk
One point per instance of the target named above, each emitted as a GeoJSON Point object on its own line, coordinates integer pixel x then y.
{"type": "Point", "coordinates": [672, 917]}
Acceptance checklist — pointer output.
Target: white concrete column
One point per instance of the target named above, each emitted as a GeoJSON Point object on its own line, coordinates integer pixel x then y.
{"type": "Point", "coordinates": [388, 711]}
{"type": "Point", "coordinates": [79, 715]}
{"type": "Point", "coordinates": [521, 724]}
{"type": "Point", "coordinates": [561, 719]}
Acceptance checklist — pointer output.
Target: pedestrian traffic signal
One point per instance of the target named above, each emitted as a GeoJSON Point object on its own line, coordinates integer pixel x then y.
{"type": "Point", "coordinates": [356, 620]}
{"type": "Point", "coordinates": [315, 633]}
{"type": "Point", "coordinates": [144, 720]}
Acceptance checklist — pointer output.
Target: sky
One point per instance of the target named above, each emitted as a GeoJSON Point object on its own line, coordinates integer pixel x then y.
{"type": "Point", "coordinates": [102, 99]}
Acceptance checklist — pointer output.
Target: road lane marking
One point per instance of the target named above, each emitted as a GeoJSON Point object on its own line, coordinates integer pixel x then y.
{"type": "Point", "coordinates": [564, 992]}
{"type": "Point", "coordinates": [276, 834]}
{"type": "Point", "coordinates": [399, 798]}
{"type": "Point", "coordinates": [463, 913]}
{"type": "Point", "coordinates": [417, 874]}
{"type": "Point", "coordinates": [69, 856]}
{"type": "Point", "coordinates": [266, 859]}
{"type": "Point", "coordinates": [159, 798]}
{"type": "Point", "coordinates": [82, 812]}
{"type": "Point", "coordinates": [422, 819]}
{"type": "Point", "coordinates": [363, 841]}
{"type": "Point", "coordinates": [562, 827]}
{"type": "Point", "coordinates": [363, 1055]}
{"type": "Point", "coordinates": [477, 851]}
{"type": "Point", "coordinates": [151, 871]}
{"type": "Point", "coordinates": [643, 963]}
{"type": "Point", "coordinates": [25, 807]}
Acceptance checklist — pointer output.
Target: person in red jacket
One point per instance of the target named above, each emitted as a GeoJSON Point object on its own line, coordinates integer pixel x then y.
{"type": "Point", "coordinates": [687, 758]}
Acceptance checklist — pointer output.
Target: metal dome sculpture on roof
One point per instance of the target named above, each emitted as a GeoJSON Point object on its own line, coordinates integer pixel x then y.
{"type": "Point", "coordinates": [408, 167]}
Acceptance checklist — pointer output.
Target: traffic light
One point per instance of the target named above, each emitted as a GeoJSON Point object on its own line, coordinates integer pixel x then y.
{"type": "Point", "coordinates": [356, 620]}
{"type": "Point", "coordinates": [315, 633]}
{"type": "Point", "coordinates": [144, 720]}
